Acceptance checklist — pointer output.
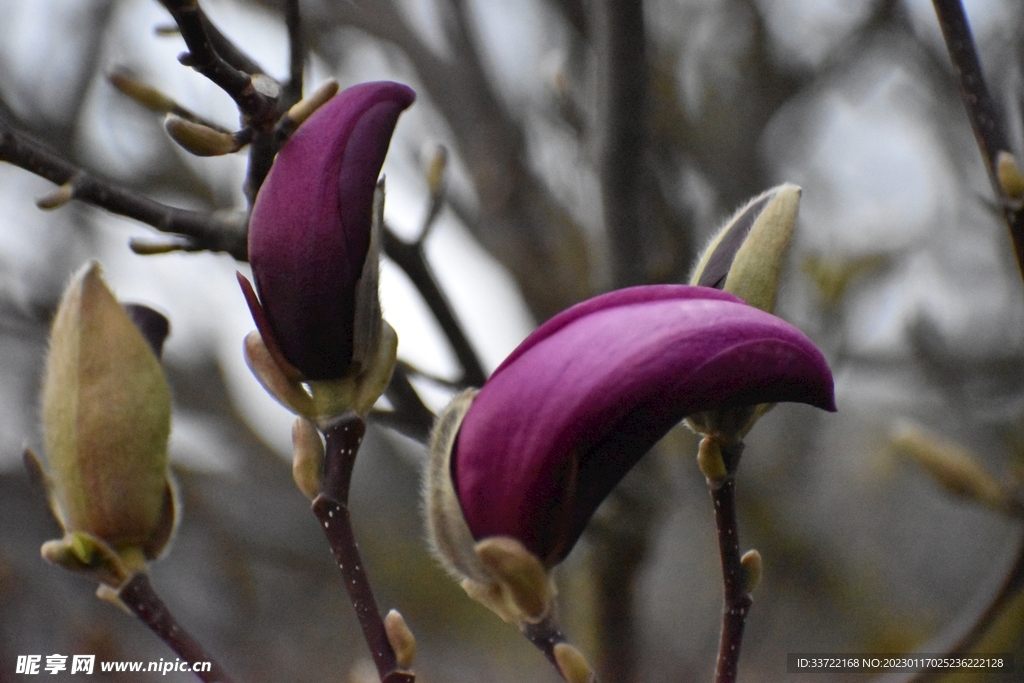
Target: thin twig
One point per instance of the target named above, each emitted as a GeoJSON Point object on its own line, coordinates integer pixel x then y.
{"type": "Point", "coordinates": [203, 231]}
{"type": "Point", "coordinates": [292, 91]}
{"type": "Point", "coordinates": [411, 258]}
{"type": "Point", "coordinates": [737, 599]}
{"type": "Point", "coordinates": [331, 508]}
{"type": "Point", "coordinates": [139, 597]}
{"type": "Point", "coordinates": [981, 110]}
{"type": "Point", "coordinates": [259, 108]}
{"type": "Point", "coordinates": [410, 416]}
{"type": "Point", "coordinates": [545, 635]}
{"type": "Point", "coordinates": [622, 156]}
{"type": "Point", "coordinates": [1010, 589]}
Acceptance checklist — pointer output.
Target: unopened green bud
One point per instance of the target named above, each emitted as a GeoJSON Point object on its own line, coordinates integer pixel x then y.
{"type": "Point", "coordinates": [1011, 179]}
{"type": "Point", "coordinates": [952, 467]}
{"type": "Point", "coordinates": [58, 198]}
{"type": "Point", "coordinates": [709, 459]}
{"type": "Point", "coordinates": [746, 256]}
{"type": "Point", "coordinates": [302, 109]}
{"type": "Point", "coordinates": [307, 457]}
{"type": "Point", "coordinates": [572, 664]}
{"type": "Point", "coordinates": [147, 96]}
{"type": "Point", "coordinates": [106, 421]}
{"type": "Point", "coordinates": [199, 139]}
{"type": "Point", "coordinates": [752, 568]}
{"type": "Point", "coordinates": [401, 639]}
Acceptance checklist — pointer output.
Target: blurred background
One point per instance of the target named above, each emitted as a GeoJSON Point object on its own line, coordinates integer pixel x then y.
{"type": "Point", "coordinates": [593, 144]}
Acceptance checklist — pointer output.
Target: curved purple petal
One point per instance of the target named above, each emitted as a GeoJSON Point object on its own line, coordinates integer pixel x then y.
{"type": "Point", "coordinates": [153, 325]}
{"type": "Point", "coordinates": [563, 419]}
{"type": "Point", "coordinates": [310, 227]}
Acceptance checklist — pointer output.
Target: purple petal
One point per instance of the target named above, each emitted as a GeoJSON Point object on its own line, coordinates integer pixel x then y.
{"type": "Point", "coordinates": [310, 226]}
{"type": "Point", "coordinates": [572, 409]}
{"type": "Point", "coordinates": [153, 325]}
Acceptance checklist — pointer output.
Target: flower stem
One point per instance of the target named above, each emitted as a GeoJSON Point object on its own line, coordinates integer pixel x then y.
{"type": "Point", "coordinates": [331, 508]}
{"type": "Point", "coordinates": [138, 595]}
{"type": "Point", "coordinates": [981, 109]}
{"type": "Point", "coordinates": [737, 598]}
{"type": "Point", "coordinates": [545, 634]}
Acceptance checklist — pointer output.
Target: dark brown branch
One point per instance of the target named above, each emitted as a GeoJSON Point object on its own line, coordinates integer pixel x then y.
{"type": "Point", "coordinates": [292, 92]}
{"type": "Point", "coordinates": [202, 231]}
{"type": "Point", "coordinates": [410, 416]}
{"type": "Point", "coordinates": [737, 599]}
{"type": "Point", "coordinates": [624, 122]}
{"type": "Point", "coordinates": [411, 258]}
{"type": "Point", "coordinates": [230, 52]}
{"type": "Point", "coordinates": [545, 635]}
{"type": "Point", "coordinates": [981, 110]}
{"type": "Point", "coordinates": [139, 597]}
{"type": "Point", "coordinates": [331, 508]}
{"type": "Point", "coordinates": [518, 221]}
{"type": "Point", "coordinates": [1010, 589]}
{"type": "Point", "coordinates": [258, 108]}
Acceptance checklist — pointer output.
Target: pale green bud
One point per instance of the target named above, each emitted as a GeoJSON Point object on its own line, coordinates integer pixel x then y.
{"type": "Point", "coordinates": [753, 567]}
{"type": "Point", "coordinates": [1011, 179]}
{"type": "Point", "coordinates": [307, 457]}
{"type": "Point", "coordinates": [106, 410]}
{"type": "Point", "coordinates": [199, 139]}
{"type": "Point", "coordinates": [401, 639]}
{"type": "Point", "coordinates": [747, 254]}
{"type": "Point", "coordinates": [572, 664]}
{"type": "Point", "coordinates": [951, 466]}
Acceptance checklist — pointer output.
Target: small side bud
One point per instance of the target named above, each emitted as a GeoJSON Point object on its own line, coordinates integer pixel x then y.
{"type": "Point", "coordinates": [302, 109]}
{"type": "Point", "coordinates": [573, 664]}
{"type": "Point", "coordinates": [520, 572]}
{"type": "Point", "coordinates": [752, 569]}
{"type": "Point", "coordinates": [307, 457]}
{"type": "Point", "coordinates": [58, 198]}
{"type": "Point", "coordinates": [198, 139]}
{"type": "Point", "coordinates": [952, 467]}
{"type": "Point", "coordinates": [149, 247]}
{"type": "Point", "coordinates": [1011, 179]}
{"type": "Point", "coordinates": [709, 459]}
{"type": "Point", "coordinates": [401, 638]}
{"type": "Point", "coordinates": [436, 170]}
{"type": "Point", "coordinates": [147, 96]}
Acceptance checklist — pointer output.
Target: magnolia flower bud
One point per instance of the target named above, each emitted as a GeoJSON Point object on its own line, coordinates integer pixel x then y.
{"type": "Point", "coordinates": [529, 457]}
{"type": "Point", "coordinates": [746, 255]}
{"type": "Point", "coordinates": [310, 239]}
{"type": "Point", "coordinates": [314, 246]}
{"type": "Point", "coordinates": [106, 420]}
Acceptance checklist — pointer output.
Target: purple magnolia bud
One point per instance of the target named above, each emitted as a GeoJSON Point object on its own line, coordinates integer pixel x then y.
{"type": "Point", "coordinates": [571, 410]}
{"type": "Point", "coordinates": [309, 234]}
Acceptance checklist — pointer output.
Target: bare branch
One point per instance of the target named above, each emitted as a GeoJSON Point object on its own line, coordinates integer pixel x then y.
{"type": "Point", "coordinates": [258, 107]}
{"type": "Point", "coordinates": [203, 231]}
{"type": "Point", "coordinates": [625, 120]}
{"type": "Point", "coordinates": [981, 110]}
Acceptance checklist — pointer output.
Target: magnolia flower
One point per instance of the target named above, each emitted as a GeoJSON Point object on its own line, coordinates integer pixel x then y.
{"type": "Point", "coordinates": [310, 244]}
{"type": "Point", "coordinates": [106, 410]}
{"type": "Point", "coordinates": [530, 456]}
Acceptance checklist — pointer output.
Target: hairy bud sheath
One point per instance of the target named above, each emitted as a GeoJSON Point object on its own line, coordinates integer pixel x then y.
{"type": "Point", "coordinates": [106, 410]}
